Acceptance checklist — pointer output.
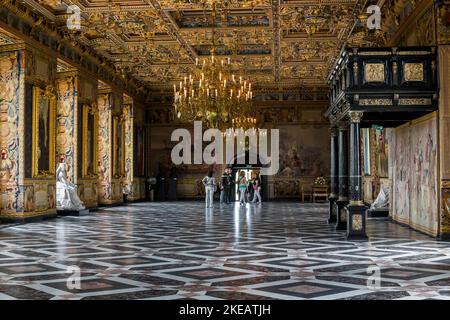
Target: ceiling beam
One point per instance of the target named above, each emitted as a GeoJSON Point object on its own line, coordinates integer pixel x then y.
{"type": "Point", "coordinates": [172, 28]}
{"type": "Point", "coordinates": [276, 39]}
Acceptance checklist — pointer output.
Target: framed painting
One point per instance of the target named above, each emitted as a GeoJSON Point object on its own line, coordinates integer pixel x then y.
{"type": "Point", "coordinates": [90, 138]}
{"type": "Point", "coordinates": [118, 147]}
{"type": "Point", "coordinates": [43, 133]}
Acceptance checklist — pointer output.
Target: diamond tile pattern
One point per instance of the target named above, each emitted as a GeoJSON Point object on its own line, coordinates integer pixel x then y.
{"type": "Point", "coordinates": [179, 250]}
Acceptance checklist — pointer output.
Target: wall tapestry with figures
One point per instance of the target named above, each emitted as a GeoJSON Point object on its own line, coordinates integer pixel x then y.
{"type": "Point", "coordinates": [415, 164]}
{"type": "Point", "coordinates": [304, 156]}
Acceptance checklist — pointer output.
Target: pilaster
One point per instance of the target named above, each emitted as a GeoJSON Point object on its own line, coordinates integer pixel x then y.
{"type": "Point", "coordinates": [110, 147]}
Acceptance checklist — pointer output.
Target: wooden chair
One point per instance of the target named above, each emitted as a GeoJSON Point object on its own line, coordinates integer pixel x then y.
{"type": "Point", "coordinates": [306, 192]}
{"type": "Point", "coordinates": [319, 191]}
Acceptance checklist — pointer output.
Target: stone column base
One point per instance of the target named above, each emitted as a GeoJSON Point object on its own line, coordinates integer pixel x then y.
{"type": "Point", "coordinates": [332, 217]}
{"type": "Point", "coordinates": [73, 213]}
{"type": "Point", "coordinates": [341, 218]}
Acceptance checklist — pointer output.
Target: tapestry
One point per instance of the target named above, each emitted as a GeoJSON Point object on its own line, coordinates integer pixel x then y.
{"type": "Point", "coordinates": [415, 175]}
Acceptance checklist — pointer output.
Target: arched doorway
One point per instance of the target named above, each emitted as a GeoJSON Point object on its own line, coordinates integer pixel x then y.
{"type": "Point", "coordinates": [238, 164]}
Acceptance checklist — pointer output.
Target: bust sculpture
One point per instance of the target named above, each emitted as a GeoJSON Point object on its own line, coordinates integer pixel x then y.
{"type": "Point", "coordinates": [66, 192]}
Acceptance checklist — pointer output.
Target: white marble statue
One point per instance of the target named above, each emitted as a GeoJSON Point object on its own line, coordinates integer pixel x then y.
{"type": "Point", "coordinates": [382, 201]}
{"type": "Point", "coordinates": [66, 192]}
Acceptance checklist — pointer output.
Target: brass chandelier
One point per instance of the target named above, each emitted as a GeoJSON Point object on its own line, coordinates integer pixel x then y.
{"type": "Point", "coordinates": [213, 94]}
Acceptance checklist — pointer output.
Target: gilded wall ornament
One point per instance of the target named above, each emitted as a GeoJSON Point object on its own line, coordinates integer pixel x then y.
{"type": "Point", "coordinates": [413, 71]}
{"type": "Point", "coordinates": [375, 102]}
{"type": "Point", "coordinates": [374, 72]}
{"type": "Point", "coordinates": [357, 224]}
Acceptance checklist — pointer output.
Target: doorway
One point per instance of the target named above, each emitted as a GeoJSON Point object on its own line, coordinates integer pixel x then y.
{"type": "Point", "coordinates": [250, 172]}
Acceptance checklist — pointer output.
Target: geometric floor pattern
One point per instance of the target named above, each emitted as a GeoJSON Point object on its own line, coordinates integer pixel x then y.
{"type": "Point", "coordinates": [179, 250]}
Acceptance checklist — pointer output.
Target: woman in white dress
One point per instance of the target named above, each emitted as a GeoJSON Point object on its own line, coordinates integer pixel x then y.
{"type": "Point", "coordinates": [210, 185]}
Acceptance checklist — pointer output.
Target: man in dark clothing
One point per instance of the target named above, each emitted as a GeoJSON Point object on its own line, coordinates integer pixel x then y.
{"type": "Point", "coordinates": [224, 185]}
{"type": "Point", "coordinates": [230, 185]}
{"type": "Point", "coordinates": [250, 190]}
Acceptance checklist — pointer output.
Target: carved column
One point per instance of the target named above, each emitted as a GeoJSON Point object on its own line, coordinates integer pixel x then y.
{"type": "Point", "coordinates": [110, 147]}
{"type": "Point", "coordinates": [334, 189]}
{"type": "Point", "coordinates": [76, 142]}
{"type": "Point", "coordinates": [342, 201]}
{"type": "Point", "coordinates": [134, 176]}
{"type": "Point", "coordinates": [356, 219]}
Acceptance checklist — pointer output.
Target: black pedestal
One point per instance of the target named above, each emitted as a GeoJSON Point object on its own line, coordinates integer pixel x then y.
{"type": "Point", "coordinates": [356, 224]}
{"type": "Point", "coordinates": [73, 213]}
{"type": "Point", "coordinates": [332, 217]}
{"type": "Point", "coordinates": [378, 213]}
{"type": "Point", "coordinates": [444, 236]}
{"type": "Point", "coordinates": [341, 217]}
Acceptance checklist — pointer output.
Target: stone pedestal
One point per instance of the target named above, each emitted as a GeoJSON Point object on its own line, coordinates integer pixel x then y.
{"type": "Point", "coordinates": [73, 213]}
{"type": "Point", "coordinates": [332, 218]}
{"type": "Point", "coordinates": [356, 222]}
{"type": "Point", "coordinates": [341, 218]}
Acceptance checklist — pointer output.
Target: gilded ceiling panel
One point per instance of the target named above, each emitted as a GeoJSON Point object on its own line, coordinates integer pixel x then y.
{"type": "Point", "coordinates": [157, 41]}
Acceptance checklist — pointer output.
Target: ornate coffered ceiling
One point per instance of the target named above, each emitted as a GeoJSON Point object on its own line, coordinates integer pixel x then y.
{"type": "Point", "coordinates": [277, 43]}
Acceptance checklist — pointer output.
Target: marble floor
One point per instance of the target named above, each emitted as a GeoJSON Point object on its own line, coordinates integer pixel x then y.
{"type": "Point", "coordinates": [179, 250]}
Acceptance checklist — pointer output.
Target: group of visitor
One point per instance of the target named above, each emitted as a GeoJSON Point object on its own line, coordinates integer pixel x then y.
{"type": "Point", "coordinates": [249, 190]}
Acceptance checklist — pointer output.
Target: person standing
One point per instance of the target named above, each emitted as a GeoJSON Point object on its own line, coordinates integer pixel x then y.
{"type": "Point", "coordinates": [210, 186]}
{"type": "Point", "coordinates": [224, 185]}
{"type": "Point", "coordinates": [231, 184]}
{"type": "Point", "coordinates": [257, 190]}
{"type": "Point", "coordinates": [242, 184]}
{"type": "Point", "coordinates": [250, 189]}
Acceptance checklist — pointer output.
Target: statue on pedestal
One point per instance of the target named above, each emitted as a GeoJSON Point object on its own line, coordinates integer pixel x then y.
{"type": "Point", "coordinates": [382, 201]}
{"type": "Point", "coordinates": [66, 192]}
